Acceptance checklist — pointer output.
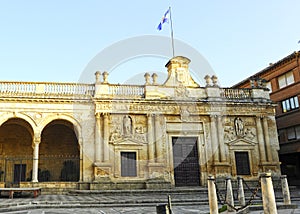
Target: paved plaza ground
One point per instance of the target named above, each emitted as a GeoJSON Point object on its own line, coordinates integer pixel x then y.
{"type": "Point", "coordinates": [114, 204]}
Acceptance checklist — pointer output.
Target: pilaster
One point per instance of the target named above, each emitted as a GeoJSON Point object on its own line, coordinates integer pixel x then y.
{"type": "Point", "coordinates": [150, 138]}
{"type": "Point", "coordinates": [214, 139]}
{"type": "Point", "coordinates": [260, 139]}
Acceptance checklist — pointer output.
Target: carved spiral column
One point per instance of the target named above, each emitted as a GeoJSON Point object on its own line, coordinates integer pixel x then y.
{"type": "Point", "coordinates": [221, 139]}
{"type": "Point", "coordinates": [260, 138]}
{"type": "Point", "coordinates": [35, 166]}
{"type": "Point", "coordinates": [105, 138]}
{"type": "Point", "coordinates": [158, 139]}
{"type": "Point", "coordinates": [214, 138]}
{"type": "Point", "coordinates": [150, 139]}
{"type": "Point", "coordinates": [267, 139]}
{"type": "Point", "coordinates": [98, 137]}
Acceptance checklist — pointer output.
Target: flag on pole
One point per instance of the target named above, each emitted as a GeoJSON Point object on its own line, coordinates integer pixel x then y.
{"type": "Point", "coordinates": [164, 19]}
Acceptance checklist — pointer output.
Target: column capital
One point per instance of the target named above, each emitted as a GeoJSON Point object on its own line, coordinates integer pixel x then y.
{"type": "Point", "coordinates": [150, 114]}
{"type": "Point", "coordinates": [105, 114]}
{"type": "Point", "coordinates": [213, 117]}
{"type": "Point", "coordinates": [98, 115]}
{"type": "Point", "coordinates": [261, 116]}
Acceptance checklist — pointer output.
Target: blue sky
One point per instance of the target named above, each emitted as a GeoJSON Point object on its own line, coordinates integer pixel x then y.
{"type": "Point", "coordinates": [55, 40]}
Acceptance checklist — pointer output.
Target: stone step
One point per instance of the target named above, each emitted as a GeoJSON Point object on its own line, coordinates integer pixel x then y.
{"type": "Point", "coordinates": [178, 195]}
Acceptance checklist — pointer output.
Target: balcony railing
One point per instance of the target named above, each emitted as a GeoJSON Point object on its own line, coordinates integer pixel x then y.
{"type": "Point", "coordinates": [230, 93]}
{"type": "Point", "coordinates": [75, 89]}
{"type": "Point", "coordinates": [33, 88]}
{"type": "Point", "coordinates": [126, 90]}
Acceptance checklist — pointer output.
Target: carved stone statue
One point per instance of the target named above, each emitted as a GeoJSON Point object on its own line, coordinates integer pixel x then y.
{"type": "Point", "coordinates": [115, 135]}
{"type": "Point", "coordinates": [239, 127]}
{"type": "Point", "coordinates": [127, 126]}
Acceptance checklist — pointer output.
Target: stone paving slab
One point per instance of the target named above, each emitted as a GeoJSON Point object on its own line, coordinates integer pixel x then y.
{"type": "Point", "coordinates": [126, 210]}
{"type": "Point", "coordinates": [110, 204]}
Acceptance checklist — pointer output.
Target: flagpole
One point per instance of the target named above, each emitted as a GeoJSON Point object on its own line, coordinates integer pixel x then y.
{"type": "Point", "coordinates": [172, 33]}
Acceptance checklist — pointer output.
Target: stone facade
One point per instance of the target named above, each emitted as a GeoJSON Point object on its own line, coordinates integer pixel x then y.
{"type": "Point", "coordinates": [128, 136]}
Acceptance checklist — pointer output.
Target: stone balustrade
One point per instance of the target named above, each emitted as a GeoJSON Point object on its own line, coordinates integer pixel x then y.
{"type": "Point", "coordinates": [126, 90]}
{"type": "Point", "coordinates": [114, 90]}
{"type": "Point", "coordinates": [230, 93]}
{"type": "Point", "coordinates": [33, 88]}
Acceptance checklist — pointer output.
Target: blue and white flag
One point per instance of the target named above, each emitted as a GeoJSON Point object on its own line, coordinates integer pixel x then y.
{"type": "Point", "coordinates": [164, 19]}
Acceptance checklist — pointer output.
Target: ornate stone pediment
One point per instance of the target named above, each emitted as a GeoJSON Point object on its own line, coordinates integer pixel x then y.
{"type": "Point", "coordinates": [128, 142]}
{"type": "Point", "coordinates": [241, 142]}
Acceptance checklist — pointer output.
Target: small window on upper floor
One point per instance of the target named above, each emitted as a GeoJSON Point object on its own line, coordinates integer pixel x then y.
{"type": "Point", "coordinates": [286, 79]}
{"type": "Point", "coordinates": [290, 104]}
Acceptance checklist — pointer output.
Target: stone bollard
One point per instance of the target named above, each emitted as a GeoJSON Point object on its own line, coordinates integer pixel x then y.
{"type": "Point", "coordinates": [229, 195]}
{"type": "Point", "coordinates": [268, 195]}
{"type": "Point", "coordinates": [285, 190]}
{"type": "Point", "coordinates": [241, 194]}
{"type": "Point", "coordinates": [165, 208]}
{"type": "Point", "coordinates": [162, 209]}
{"type": "Point", "coordinates": [212, 195]}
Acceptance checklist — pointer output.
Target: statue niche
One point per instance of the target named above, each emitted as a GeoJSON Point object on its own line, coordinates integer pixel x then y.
{"type": "Point", "coordinates": [127, 126]}
{"type": "Point", "coordinates": [239, 127]}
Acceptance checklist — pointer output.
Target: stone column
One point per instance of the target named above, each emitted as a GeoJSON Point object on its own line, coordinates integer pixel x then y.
{"type": "Point", "coordinates": [221, 139]}
{"type": "Point", "coordinates": [241, 194]}
{"type": "Point", "coordinates": [35, 166]}
{"type": "Point", "coordinates": [285, 190]}
{"type": "Point", "coordinates": [229, 195]}
{"type": "Point", "coordinates": [158, 139]}
{"type": "Point", "coordinates": [150, 139]}
{"type": "Point", "coordinates": [105, 138]}
{"type": "Point", "coordinates": [212, 195]}
{"type": "Point", "coordinates": [214, 139]}
{"type": "Point", "coordinates": [267, 139]}
{"type": "Point", "coordinates": [98, 149]}
{"type": "Point", "coordinates": [260, 138]}
{"type": "Point", "coordinates": [268, 195]}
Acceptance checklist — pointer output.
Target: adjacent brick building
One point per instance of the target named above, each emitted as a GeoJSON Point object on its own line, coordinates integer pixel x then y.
{"type": "Point", "coordinates": [283, 80]}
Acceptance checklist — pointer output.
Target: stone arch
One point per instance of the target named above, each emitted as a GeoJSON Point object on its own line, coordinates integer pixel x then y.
{"type": "Point", "coordinates": [16, 156]}
{"type": "Point", "coordinates": [54, 118]}
{"type": "Point", "coordinates": [76, 124]}
{"type": "Point", "coordinates": [16, 115]}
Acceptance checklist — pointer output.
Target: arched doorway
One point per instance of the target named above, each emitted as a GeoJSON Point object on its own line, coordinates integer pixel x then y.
{"type": "Point", "coordinates": [16, 136]}
{"type": "Point", "coordinates": [59, 153]}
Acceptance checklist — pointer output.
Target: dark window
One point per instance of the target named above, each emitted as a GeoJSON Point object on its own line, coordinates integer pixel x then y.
{"type": "Point", "coordinates": [281, 135]}
{"type": "Point", "coordinates": [128, 164]}
{"type": "Point", "coordinates": [293, 133]}
{"type": "Point", "coordinates": [242, 163]}
{"type": "Point", "coordinates": [290, 104]}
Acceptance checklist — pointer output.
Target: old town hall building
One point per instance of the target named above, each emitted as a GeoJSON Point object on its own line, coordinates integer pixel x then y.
{"type": "Point", "coordinates": [112, 136]}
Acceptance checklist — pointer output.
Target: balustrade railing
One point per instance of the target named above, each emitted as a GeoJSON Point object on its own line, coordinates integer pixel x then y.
{"type": "Point", "coordinates": [241, 93]}
{"type": "Point", "coordinates": [31, 88]}
{"type": "Point", "coordinates": [126, 90]}
{"type": "Point", "coordinates": [69, 89]}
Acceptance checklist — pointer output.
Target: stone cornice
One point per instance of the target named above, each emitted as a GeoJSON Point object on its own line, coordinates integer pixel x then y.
{"type": "Point", "coordinates": [176, 108]}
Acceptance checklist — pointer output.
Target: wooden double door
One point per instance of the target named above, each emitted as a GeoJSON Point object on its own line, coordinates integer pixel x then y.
{"type": "Point", "coordinates": [186, 161]}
